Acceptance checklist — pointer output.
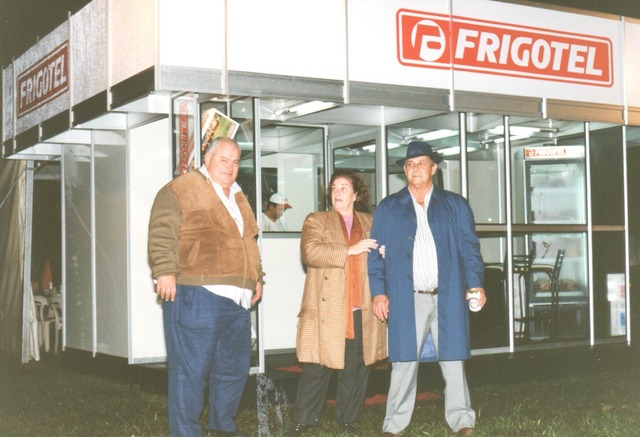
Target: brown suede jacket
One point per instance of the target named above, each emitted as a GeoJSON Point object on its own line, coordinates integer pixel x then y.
{"type": "Point", "coordinates": [193, 236]}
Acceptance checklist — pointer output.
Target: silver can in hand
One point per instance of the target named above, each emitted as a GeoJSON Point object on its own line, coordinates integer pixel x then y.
{"type": "Point", "coordinates": [474, 302]}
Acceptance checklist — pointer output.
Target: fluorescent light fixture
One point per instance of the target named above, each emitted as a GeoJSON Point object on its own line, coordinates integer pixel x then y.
{"type": "Point", "coordinates": [304, 108]}
{"type": "Point", "coordinates": [432, 135]}
{"type": "Point", "coordinates": [515, 130]}
{"type": "Point", "coordinates": [448, 151]}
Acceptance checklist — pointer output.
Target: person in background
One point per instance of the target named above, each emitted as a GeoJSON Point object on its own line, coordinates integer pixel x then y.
{"type": "Point", "coordinates": [204, 256]}
{"type": "Point", "coordinates": [272, 220]}
{"type": "Point", "coordinates": [420, 283]}
{"type": "Point", "coordinates": [336, 325]}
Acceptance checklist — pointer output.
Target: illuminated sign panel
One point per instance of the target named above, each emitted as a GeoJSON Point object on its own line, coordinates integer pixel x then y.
{"type": "Point", "coordinates": [45, 80]}
{"type": "Point", "coordinates": [553, 152]}
{"type": "Point", "coordinates": [450, 42]}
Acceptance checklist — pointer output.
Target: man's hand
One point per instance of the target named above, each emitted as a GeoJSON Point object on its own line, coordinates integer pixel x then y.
{"type": "Point", "coordinates": [257, 294]}
{"type": "Point", "coordinates": [480, 295]}
{"type": "Point", "coordinates": [381, 307]}
{"type": "Point", "coordinates": [166, 288]}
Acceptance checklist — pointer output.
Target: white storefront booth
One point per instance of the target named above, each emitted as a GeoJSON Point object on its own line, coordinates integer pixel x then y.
{"type": "Point", "coordinates": [114, 99]}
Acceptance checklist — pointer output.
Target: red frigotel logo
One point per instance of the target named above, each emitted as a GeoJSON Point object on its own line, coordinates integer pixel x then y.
{"type": "Point", "coordinates": [450, 42]}
{"type": "Point", "coordinates": [45, 80]}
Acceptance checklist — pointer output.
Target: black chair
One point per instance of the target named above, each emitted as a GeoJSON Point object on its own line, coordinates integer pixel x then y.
{"type": "Point", "coordinates": [522, 268]}
{"type": "Point", "coordinates": [554, 282]}
{"type": "Point", "coordinates": [548, 312]}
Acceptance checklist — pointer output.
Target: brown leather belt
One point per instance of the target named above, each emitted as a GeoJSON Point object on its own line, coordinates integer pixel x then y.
{"type": "Point", "coordinates": [433, 291]}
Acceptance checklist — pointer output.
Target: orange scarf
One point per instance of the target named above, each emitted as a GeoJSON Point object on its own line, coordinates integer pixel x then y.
{"type": "Point", "coordinates": [354, 273]}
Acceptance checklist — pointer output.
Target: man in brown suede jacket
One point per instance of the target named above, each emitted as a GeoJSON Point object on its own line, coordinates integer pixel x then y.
{"type": "Point", "coordinates": [204, 256]}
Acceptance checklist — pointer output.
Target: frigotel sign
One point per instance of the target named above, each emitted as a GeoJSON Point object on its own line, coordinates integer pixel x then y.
{"type": "Point", "coordinates": [450, 42]}
{"type": "Point", "coordinates": [45, 80]}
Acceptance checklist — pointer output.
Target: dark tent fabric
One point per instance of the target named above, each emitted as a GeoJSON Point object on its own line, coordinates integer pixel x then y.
{"type": "Point", "coordinates": [12, 220]}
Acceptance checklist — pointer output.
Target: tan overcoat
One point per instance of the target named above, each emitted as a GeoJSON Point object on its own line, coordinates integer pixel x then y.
{"type": "Point", "coordinates": [322, 317]}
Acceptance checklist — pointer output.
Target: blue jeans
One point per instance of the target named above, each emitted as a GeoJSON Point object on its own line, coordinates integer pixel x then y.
{"type": "Point", "coordinates": [208, 341]}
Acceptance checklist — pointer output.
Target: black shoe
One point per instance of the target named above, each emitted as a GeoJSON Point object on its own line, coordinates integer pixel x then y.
{"type": "Point", "coordinates": [298, 429]}
{"type": "Point", "coordinates": [349, 429]}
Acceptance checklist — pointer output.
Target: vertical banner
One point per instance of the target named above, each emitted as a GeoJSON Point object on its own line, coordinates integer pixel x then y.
{"type": "Point", "coordinates": [185, 143]}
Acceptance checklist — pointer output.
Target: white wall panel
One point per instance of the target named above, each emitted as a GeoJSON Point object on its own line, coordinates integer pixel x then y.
{"type": "Point", "coordinates": [192, 33]}
{"type": "Point", "coordinates": [111, 243]}
{"type": "Point", "coordinates": [282, 294]}
{"type": "Point", "coordinates": [150, 161]}
{"type": "Point", "coordinates": [373, 42]}
{"type": "Point", "coordinates": [632, 62]}
{"type": "Point", "coordinates": [287, 37]}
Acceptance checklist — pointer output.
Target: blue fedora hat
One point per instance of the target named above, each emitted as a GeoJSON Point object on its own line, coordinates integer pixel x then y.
{"type": "Point", "coordinates": [420, 148]}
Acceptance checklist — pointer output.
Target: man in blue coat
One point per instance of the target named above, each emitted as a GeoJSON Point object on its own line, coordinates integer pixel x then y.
{"type": "Point", "coordinates": [420, 282]}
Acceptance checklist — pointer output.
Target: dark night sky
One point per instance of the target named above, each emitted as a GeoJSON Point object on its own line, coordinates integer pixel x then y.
{"type": "Point", "coordinates": [22, 22]}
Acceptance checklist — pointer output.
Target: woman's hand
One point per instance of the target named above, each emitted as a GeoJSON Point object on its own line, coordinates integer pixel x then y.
{"type": "Point", "coordinates": [363, 246]}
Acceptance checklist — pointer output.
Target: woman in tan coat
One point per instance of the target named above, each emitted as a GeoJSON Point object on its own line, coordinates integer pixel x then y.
{"type": "Point", "coordinates": [337, 329]}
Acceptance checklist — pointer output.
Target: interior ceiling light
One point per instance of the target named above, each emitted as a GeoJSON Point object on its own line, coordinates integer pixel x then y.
{"type": "Point", "coordinates": [515, 130]}
{"type": "Point", "coordinates": [432, 135]}
{"type": "Point", "coordinates": [303, 108]}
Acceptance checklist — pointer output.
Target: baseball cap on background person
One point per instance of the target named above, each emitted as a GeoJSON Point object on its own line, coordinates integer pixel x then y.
{"type": "Point", "coordinates": [280, 199]}
{"type": "Point", "coordinates": [420, 148]}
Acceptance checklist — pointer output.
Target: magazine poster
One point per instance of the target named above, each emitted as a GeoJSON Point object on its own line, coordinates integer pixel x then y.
{"type": "Point", "coordinates": [216, 124]}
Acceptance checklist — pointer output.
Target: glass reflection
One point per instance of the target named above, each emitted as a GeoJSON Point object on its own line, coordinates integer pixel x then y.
{"type": "Point", "coordinates": [442, 132]}
{"type": "Point", "coordinates": [485, 154]}
{"type": "Point", "coordinates": [292, 168]}
{"type": "Point", "coordinates": [548, 172]}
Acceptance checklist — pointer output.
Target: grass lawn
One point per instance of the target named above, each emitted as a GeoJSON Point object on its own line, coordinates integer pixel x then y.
{"type": "Point", "coordinates": [67, 397]}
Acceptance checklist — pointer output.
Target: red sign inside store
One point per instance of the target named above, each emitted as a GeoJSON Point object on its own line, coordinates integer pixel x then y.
{"type": "Point", "coordinates": [545, 152]}
{"type": "Point", "coordinates": [450, 42]}
{"type": "Point", "coordinates": [43, 81]}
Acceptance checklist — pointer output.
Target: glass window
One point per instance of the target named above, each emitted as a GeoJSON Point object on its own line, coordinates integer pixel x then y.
{"type": "Point", "coordinates": [633, 204]}
{"type": "Point", "coordinates": [548, 172]}
{"type": "Point", "coordinates": [609, 284]}
{"type": "Point", "coordinates": [242, 113]}
{"type": "Point", "coordinates": [485, 156]}
{"type": "Point", "coordinates": [292, 175]}
{"type": "Point", "coordinates": [490, 327]}
{"type": "Point", "coordinates": [607, 196]}
{"type": "Point", "coordinates": [442, 132]}
{"type": "Point", "coordinates": [550, 287]}
{"type": "Point", "coordinates": [607, 187]}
